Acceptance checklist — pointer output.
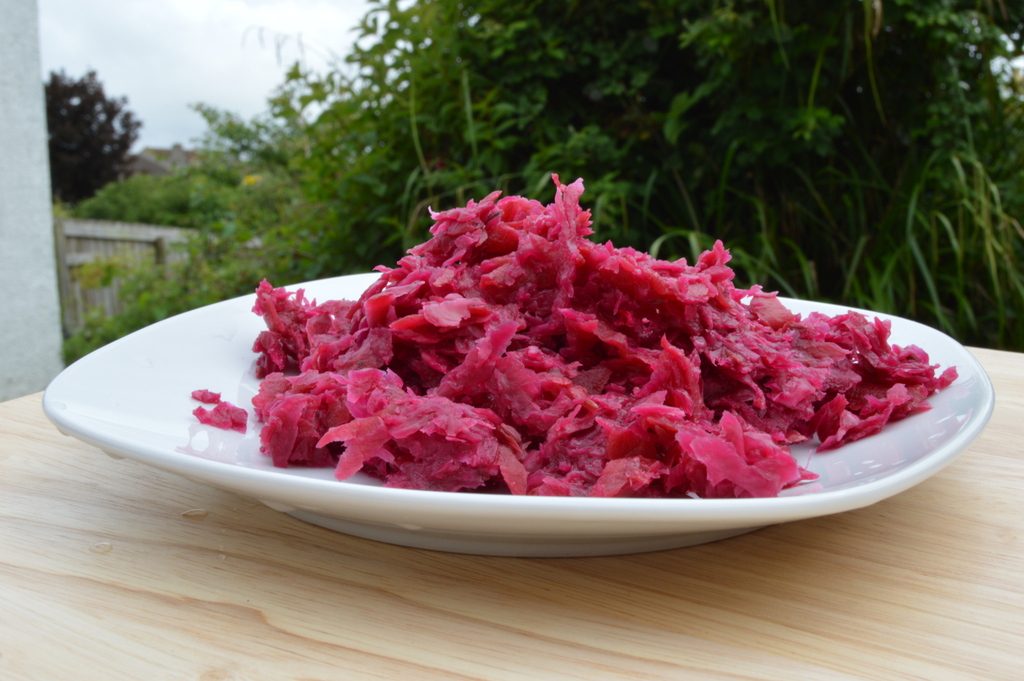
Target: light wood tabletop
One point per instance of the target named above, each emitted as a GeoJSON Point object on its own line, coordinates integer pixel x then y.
{"type": "Point", "coordinates": [114, 570]}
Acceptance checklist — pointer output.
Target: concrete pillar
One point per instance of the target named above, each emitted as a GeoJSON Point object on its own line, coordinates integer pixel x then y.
{"type": "Point", "coordinates": [30, 334]}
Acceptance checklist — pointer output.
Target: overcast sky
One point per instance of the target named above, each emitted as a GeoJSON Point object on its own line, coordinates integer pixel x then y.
{"type": "Point", "coordinates": [164, 55]}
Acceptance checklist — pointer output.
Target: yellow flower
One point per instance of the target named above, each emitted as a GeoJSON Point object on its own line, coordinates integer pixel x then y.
{"type": "Point", "coordinates": [250, 180]}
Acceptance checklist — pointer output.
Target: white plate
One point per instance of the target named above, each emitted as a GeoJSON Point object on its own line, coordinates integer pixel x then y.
{"type": "Point", "coordinates": [132, 399]}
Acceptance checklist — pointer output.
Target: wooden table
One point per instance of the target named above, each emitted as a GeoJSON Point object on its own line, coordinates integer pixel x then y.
{"type": "Point", "coordinates": [113, 570]}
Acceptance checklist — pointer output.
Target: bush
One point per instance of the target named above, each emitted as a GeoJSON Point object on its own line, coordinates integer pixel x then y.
{"type": "Point", "coordinates": [841, 153]}
{"type": "Point", "coordinates": [185, 199]}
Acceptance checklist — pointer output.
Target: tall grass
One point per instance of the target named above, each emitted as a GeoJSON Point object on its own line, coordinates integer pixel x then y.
{"type": "Point", "coordinates": [948, 252]}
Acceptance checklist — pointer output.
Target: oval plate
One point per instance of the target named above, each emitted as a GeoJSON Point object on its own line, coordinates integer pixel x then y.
{"type": "Point", "coordinates": [132, 399]}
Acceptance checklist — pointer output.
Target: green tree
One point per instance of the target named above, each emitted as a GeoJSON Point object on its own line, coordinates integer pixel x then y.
{"type": "Point", "coordinates": [862, 152]}
{"type": "Point", "coordinates": [843, 152]}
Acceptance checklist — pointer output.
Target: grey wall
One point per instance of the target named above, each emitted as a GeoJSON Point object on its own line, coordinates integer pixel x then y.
{"type": "Point", "coordinates": [29, 311]}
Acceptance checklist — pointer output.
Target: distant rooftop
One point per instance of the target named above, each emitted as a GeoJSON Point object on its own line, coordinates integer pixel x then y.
{"type": "Point", "coordinates": [161, 160]}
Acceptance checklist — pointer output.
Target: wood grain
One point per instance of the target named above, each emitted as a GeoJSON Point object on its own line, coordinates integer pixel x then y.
{"type": "Point", "coordinates": [102, 577]}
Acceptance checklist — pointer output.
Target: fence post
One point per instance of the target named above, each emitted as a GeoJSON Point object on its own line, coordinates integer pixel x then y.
{"type": "Point", "coordinates": [160, 248]}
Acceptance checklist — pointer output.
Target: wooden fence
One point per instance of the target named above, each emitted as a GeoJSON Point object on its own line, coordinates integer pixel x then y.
{"type": "Point", "coordinates": [95, 243]}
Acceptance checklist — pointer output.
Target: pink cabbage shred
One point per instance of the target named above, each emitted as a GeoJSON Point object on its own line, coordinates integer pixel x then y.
{"type": "Point", "coordinates": [223, 414]}
{"type": "Point", "coordinates": [510, 353]}
{"type": "Point", "coordinates": [206, 396]}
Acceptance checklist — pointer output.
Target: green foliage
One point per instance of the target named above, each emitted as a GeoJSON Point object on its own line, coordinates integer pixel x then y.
{"type": "Point", "coordinates": [186, 199]}
{"type": "Point", "coordinates": [150, 294]}
{"type": "Point", "coordinates": [863, 152]}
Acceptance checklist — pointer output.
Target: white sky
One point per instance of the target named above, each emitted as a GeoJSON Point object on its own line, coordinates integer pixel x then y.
{"type": "Point", "coordinates": [164, 55]}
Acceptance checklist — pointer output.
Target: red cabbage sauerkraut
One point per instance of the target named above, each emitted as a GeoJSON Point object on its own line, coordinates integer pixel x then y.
{"type": "Point", "coordinates": [510, 353]}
